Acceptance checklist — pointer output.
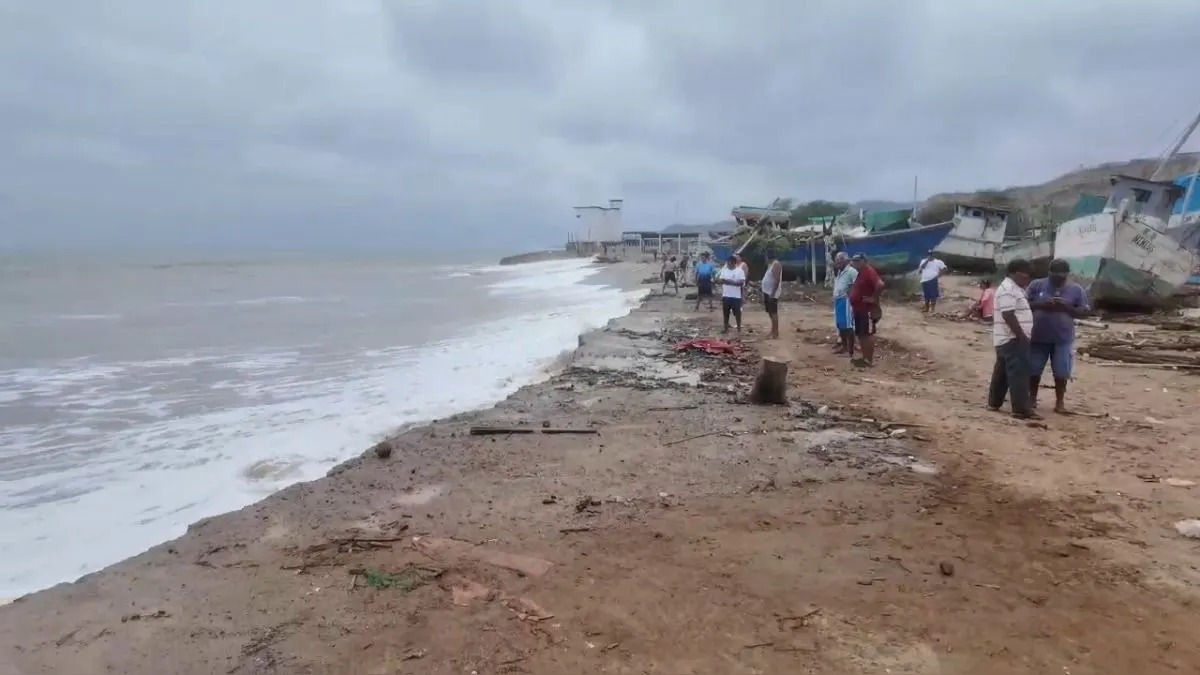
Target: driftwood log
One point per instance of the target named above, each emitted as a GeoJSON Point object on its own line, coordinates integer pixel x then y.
{"type": "Point", "coordinates": [770, 387]}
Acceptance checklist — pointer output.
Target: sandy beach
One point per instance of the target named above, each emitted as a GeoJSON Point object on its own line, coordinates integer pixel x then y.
{"type": "Point", "coordinates": [884, 521]}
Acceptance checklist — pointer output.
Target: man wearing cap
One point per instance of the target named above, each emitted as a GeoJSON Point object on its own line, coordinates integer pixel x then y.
{"type": "Point", "coordinates": [864, 303]}
{"type": "Point", "coordinates": [930, 270]}
{"type": "Point", "coordinates": [1056, 303]}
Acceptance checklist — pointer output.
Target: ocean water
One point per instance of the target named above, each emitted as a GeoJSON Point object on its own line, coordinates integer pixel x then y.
{"type": "Point", "coordinates": [138, 398]}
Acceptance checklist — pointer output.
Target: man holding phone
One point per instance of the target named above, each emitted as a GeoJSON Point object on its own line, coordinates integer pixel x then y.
{"type": "Point", "coordinates": [1056, 303]}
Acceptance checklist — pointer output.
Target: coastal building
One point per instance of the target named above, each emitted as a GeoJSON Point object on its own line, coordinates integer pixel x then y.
{"type": "Point", "coordinates": [597, 224]}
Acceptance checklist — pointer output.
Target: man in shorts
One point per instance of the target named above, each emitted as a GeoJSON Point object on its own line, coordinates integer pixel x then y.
{"type": "Point", "coordinates": [843, 317]}
{"type": "Point", "coordinates": [669, 276]}
{"type": "Point", "coordinates": [772, 289]}
{"type": "Point", "coordinates": [1056, 303]}
{"type": "Point", "coordinates": [705, 274]}
{"type": "Point", "coordinates": [864, 303]}
{"type": "Point", "coordinates": [931, 272]}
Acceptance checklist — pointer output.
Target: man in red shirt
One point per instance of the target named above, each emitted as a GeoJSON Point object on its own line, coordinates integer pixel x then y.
{"type": "Point", "coordinates": [864, 304]}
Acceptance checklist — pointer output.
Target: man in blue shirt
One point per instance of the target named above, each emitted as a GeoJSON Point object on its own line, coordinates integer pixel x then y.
{"type": "Point", "coordinates": [705, 271]}
{"type": "Point", "coordinates": [843, 317]}
{"type": "Point", "coordinates": [1056, 303]}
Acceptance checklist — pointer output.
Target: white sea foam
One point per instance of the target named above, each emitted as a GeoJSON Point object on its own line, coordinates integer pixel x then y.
{"type": "Point", "coordinates": [83, 498]}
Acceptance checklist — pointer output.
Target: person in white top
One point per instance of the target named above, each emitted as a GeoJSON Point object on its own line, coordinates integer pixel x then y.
{"type": "Point", "coordinates": [732, 280]}
{"type": "Point", "coordinates": [1011, 325]}
{"type": "Point", "coordinates": [930, 270]}
{"type": "Point", "coordinates": [772, 288]}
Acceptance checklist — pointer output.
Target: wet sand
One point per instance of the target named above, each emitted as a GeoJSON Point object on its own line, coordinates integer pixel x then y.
{"type": "Point", "coordinates": [882, 522]}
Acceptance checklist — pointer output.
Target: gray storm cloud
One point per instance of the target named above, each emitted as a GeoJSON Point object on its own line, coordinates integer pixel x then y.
{"type": "Point", "coordinates": [371, 124]}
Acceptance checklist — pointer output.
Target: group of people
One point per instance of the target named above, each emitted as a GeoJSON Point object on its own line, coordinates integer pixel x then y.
{"type": "Point", "coordinates": [857, 288]}
{"type": "Point", "coordinates": [1034, 326]}
{"type": "Point", "coordinates": [733, 277]}
{"type": "Point", "coordinates": [1033, 321]}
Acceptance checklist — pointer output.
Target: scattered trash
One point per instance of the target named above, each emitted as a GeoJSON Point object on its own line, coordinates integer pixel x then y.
{"type": "Point", "coordinates": [1152, 420]}
{"type": "Point", "coordinates": [159, 614]}
{"type": "Point", "coordinates": [709, 346]}
{"type": "Point", "coordinates": [1179, 482]}
{"type": "Point", "coordinates": [586, 502]}
{"type": "Point", "coordinates": [407, 580]}
{"type": "Point", "coordinates": [414, 655]}
{"type": "Point", "coordinates": [455, 549]}
{"type": "Point", "coordinates": [946, 568]}
{"type": "Point", "coordinates": [898, 433]}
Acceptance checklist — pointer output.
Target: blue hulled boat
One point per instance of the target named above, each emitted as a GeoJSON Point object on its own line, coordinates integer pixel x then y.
{"type": "Point", "coordinates": [891, 252]}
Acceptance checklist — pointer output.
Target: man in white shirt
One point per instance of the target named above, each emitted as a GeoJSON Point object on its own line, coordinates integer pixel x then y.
{"type": "Point", "coordinates": [772, 289]}
{"type": "Point", "coordinates": [930, 270]}
{"type": "Point", "coordinates": [732, 280]}
{"type": "Point", "coordinates": [1011, 325]}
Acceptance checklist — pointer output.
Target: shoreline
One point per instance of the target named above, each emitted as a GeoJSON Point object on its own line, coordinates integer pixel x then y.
{"type": "Point", "coordinates": [619, 279]}
{"type": "Point", "coordinates": [878, 522]}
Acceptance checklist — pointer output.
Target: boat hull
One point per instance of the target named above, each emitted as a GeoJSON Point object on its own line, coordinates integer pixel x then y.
{"type": "Point", "coordinates": [894, 252]}
{"type": "Point", "coordinates": [972, 245]}
{"type": "Point", "coordinates": [1039, 252]}
{"type": "Point", "coordinates": [1126, 262]}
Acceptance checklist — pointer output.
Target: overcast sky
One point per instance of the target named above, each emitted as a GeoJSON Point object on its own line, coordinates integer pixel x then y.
{"type": "Point", "coordinates": [372, 124]}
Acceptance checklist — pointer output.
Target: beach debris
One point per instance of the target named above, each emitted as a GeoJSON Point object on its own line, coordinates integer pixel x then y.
{"type": "Point", "coordinates": [586, 502]}
{"type": "Point", "coordinates": [1189, 528]}
{"type": "Point", "coordinates": [158, 614]}
{"type": "Point", "coordinates": [552, 499]}
{"type": "Point", "coordinates": [408, 579]}
{"type": "Point", "coordinates": [444, 548]}
{"type": "Point", "coordinates": [770, 387]}
{"type": "Point", "coordinates": [502, 431]}
{"type": "Point", "coordinates": [697, 436]}
{"type": "Point", "coordinates": [946, 568]}
{"type": "Point", "coordinates": [383, 449]}
{"type": "Point", "coordinates": [709, 346]}
{"type": "Point", "coordinates": [898, 433]}
{"type": "Point", "coordinates": [498, 431]}
{"type": "Point", "coordinates": [414, 654]}
{"type": "Point", "coordinates": [326, 553]}
{"type": "Point", "coordinates": [1179, 482]}
{"type": "Point", "coordinates": [574, 530]}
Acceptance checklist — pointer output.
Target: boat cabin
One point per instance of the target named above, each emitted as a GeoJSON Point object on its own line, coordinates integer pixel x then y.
{"type": "Point", "coordinates": [1152, 198]}
{"type": "Point", "coordinates": [751, 215]}
{"type": "Point", "coordinates": [984, 223]}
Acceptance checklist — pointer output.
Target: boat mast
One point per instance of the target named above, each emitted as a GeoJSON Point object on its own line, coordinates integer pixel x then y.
{"type": "Point", "coordinates": [1183, 138]}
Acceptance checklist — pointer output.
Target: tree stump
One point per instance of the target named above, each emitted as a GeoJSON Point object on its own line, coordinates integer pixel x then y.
{"type": "Point", "coordinates": [770, 387]}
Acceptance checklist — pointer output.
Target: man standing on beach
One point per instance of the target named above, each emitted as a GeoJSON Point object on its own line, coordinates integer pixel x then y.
{"type": "Point", "coordinates": [668, 275]}
{"type": "Point", "coordinates": [931, 271]}
{"type": "Point", "coordinates": [1010, 337]}
{"type": "Point", "coordinates": [705, 272]}
{"type": "Point", "coordinates": [843, 316]}
{"type": "Point", "coordinates": [864, 303]}
{"type": "Point", "coordinates": [732, 280]}
{"type": "Point", "coordinates": [772, 289]}
{"type": "Point", "coordinates": [1056, 303]}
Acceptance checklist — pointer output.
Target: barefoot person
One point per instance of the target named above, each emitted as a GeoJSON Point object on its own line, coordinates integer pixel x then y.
{"type": "Point", "coordinates": [669, 276]}
{"type": "Point", "coordinates": [732, 280]}
{"type": "Point", "coordinates": [864, 303]}
{"type": "Point", "coordinates": [931, 270]}
{"type": "Point", "coordinates": [843, 316]}
{"type": "Point", "coordinates": [1010, 337]}
{"type": "Point", "coordinates": [1056, 303]}
{"type": "Point", "coordinates": [772, 288]}
{"type": "Point", "coordinates": [705, 273]}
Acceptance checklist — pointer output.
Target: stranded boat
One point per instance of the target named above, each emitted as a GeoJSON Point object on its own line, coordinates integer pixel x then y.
{"type": "Point", "coordinates": [1123, 255]}
{"type": "Point", "coordinates": [976, 238]}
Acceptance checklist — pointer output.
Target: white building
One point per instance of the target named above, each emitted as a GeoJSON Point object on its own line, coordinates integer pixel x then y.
{"type": "Point", "coordinates": [598, 224]}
